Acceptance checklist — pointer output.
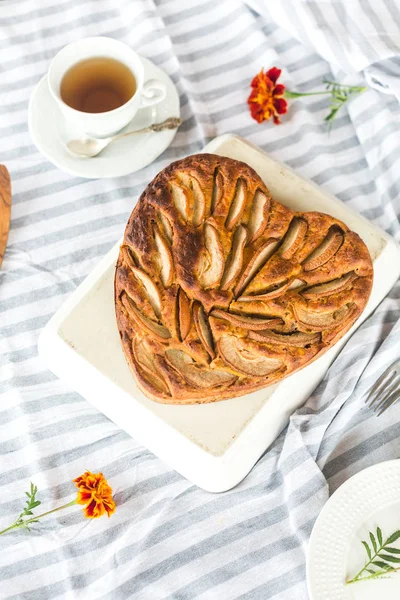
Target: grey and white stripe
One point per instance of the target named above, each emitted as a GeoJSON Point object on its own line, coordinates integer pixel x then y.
{"type": "Point", "coordinates": [169, 539]}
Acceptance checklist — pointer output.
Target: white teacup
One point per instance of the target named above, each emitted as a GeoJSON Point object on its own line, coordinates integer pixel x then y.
{"type": "Point", "coordinates": [105, 123]}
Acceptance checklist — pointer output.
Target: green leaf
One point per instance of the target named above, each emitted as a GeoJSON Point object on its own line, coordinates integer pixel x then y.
{"type": "Point", "coordinates": [392, 550]}
{"type": "Point", "coordinates": [373, 541]}
{"type": "Point", "coordinates": [379, 536]}
{"type": "Point", "coordinates": [331, 115]}
{"type": "Point", "coordinates": [371, 571]}
{"type": "Point", "coordinates": [389, 558]}
{"type": "Point", "coordinates": [381, 565]}
{"type": "Point", "coordinates": [367, 549]}
{"type": "Point", "coordinates": [395, 536]}
{"type": "Point", "coordinates": [35, 504]}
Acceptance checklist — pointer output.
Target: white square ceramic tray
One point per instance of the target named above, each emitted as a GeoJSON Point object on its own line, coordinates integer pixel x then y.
{"type": "Point", "coordinates": [213, 445]}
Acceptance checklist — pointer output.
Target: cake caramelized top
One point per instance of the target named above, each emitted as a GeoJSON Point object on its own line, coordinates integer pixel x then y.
{"type": "Point", "coordinates": [220, 290]}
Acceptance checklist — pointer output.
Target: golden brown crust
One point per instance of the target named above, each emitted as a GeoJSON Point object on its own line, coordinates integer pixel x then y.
{"type": "Point", "coordinates": [221, 291]}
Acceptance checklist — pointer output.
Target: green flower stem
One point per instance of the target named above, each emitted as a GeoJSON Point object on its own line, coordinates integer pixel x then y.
{"type": "Point", "coordinates": [339, 94]}
{"type": "Point", "coordinates": [376, 575]}
{"type": "Point", "coordinates": [10, 528]}
{"type": "Point", "coordinates": [358, 578]}
{"type": "Point", "coordinates": [18, 524]}
{"type": "Point", "coordinates": [354, 88]}
{"type": "Point", "coordinates": [289, 94]}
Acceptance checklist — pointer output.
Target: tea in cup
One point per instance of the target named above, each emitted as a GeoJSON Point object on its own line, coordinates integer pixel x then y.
{"type": "Point", "coordinates": [99, 85]}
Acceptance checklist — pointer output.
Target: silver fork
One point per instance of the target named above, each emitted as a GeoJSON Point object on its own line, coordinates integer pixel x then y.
{"type": "Point", "coordinates": [386, 390]}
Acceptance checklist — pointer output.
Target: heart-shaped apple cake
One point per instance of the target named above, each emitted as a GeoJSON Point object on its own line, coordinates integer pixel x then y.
{"type": "Point", "coordinates": [221, 290]}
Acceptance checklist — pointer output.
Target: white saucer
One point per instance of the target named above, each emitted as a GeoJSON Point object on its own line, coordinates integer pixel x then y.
{"type": "Point", "coordinates": [50, 132]}
{"type": "Point", "coordinates": [366, 501]}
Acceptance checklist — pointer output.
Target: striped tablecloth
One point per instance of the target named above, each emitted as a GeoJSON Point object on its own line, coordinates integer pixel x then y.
{"type": "Point", "coordinates": [169, 539]}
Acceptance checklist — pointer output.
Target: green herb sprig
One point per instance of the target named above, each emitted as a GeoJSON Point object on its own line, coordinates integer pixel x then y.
{"type": "Point", "coordinates": [26, 517]}
{"type": "Point", "coordinates": [340, 94]}
{"type": "Point", "coordinates": [381, 557]}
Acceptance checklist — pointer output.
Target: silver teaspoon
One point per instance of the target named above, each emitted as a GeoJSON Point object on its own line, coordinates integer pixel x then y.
{"type": "Point", "coordinates": [89, 147]}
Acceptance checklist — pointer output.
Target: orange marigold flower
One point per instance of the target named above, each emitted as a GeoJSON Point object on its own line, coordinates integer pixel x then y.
{"type": "Point", "coordinates": [96, 494]}
{"type": "Point", "coordinates": [266, 99]}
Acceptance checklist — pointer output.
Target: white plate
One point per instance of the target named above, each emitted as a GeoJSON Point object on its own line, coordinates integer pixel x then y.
{"type": "Point", "coordinates": [50, 132]}
{"type": "Point", "coordinates": [214, 445]}
{"type": "Point", "coordinates": [366, 501]}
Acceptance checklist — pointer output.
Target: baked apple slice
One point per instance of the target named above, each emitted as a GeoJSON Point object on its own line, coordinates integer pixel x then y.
{"type": "Point", "coordinates": [203, 328]}
{"type": "Point", "coordinates": [147, 324]}
{"type": "Point", "coordinates": [196, 375]}
{"type": "Point", "coordinates": [258, 217]}
{"type": "Point", "coordinates": [235, 260]}
{"type": "Point", "coordinates": [151, 289]}
{"type": "Point", "coordinates": [330, 287]}
{"type": "Point", "coordinates": [294, 238]}
{"type": "Point", "coordinates": [325, 251]}
{"type": "Point", "coordinates": [181, 201]}
{"type": "Point", "coordinates": [166, 226]}
{"type": "Point", "coordinates": [212, 260]}
{"type": "Point", "coordinates": [217, 191]}
{"type": "Point", "coordinates": [165, 260]}
{"type": "Point", "coordinates": [244, 359]}
{"type": "Point", "coordinates": [274, 292]}
{"type": "Point", "coordinates": [198, 201]}
{"type": "Point", "coordinates": [237, 206]}
{"type": "Point", "coordinates": [318, 321]}
{"type": "Point", "coordinates": [246, 322]}
{"type": "Point", "coordinates": [297, 339]}
{"type": "Point", "coordinates": [184, 319]}
{"type": "Point", "coordinates": [256, 263]}
{"type": "Point", "coordinates": [145, 359]}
